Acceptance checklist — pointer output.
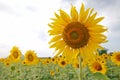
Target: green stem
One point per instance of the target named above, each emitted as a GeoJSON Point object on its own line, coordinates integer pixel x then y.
{"type": "Point", "coordinates": [80, 63]}
{"type": "Point", "coordinates": [119, 73]}
{"type": "Point", "coordinates": [85, 76]}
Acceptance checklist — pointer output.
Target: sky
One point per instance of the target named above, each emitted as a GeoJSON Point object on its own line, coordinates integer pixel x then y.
{"type": "Point", "coordinates": [24, 23]}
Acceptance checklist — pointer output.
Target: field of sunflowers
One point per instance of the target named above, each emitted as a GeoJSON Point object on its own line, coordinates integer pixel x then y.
{"type": "Point", "coordinates": [78, 54]}
{"type": "Point", "coordinates": [30, 67]}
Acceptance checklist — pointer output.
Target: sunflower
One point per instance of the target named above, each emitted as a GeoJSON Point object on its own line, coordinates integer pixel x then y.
{"type": "Point", "coordinates": [31, 58]}
{"type": "Point", "coordinates": [15, 54]}
{"type": "Point", "coordinates": [75, 63]}
{"type": "Point", "coordinates": [52, 73]}
{"type": "Point", "coordinates": [2, 59]}
{"type": "Point", "coordinates": [54, 60]}
{"type": "Point", "coordinates": [57, 69]}
{"type": "Point", "coordinates": [101, 58]}
{"type": "Point", "coordinates": [62, 62]}
{"type": "Point", "coordinates": [105, 56]}
{"type": "Point", "coordinates": [116, 58]}
{"type": "Point", "coordinates": [76, 33]}
{"type": "Point", "coordinates": [47, 60]}
{"type": "Point", "coordinates": [7, 62]}
{"type": "Point", "coordinates": [96, 66]}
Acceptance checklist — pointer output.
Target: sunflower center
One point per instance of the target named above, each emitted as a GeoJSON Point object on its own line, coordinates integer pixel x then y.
{"type": "Point", "coordinates": [77, 65]}
{"type": "Point", "coordinates": [75, 35]}
{"type": "Point", "coordinates": [118, 57]}
{"type": "Point", "coordinates": [53, 59]}
{"type": "Point", "coordinates": [15, 55]}
{"type": "Point", "coordinates": [63, 62]}
{"type": "Point", "coordinates": [98, 67]}
{"type": "Point", "coordinates": [30, 58]}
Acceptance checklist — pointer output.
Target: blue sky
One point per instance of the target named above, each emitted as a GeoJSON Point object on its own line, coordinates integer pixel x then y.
{"type": "Point", "coordinates": [23, 23]}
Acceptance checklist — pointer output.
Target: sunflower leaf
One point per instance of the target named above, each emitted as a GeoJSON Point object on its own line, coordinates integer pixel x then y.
{"type": "Point", "coordinates": [100, 76]}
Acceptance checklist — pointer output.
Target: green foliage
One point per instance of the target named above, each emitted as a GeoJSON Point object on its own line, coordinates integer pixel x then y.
{"type": "Point", "coordinates": [104, 51]}
{"type": "Point", "coordinates": [19, 71]}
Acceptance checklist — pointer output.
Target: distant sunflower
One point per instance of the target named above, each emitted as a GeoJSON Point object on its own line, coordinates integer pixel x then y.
{"type": "Point", "coordinates": [77, 33]}
{"type": "Point", "coordinates": [54, 60]}
{"type": "Point", "coordinates": [7, 62]}
{"type": "Point", "coordinates": [15, 54]}
{"type": "Point", "coordinates": [52, 73]}
{"type": "Point", "coordinates": [47, 61]}
{"type": "Point", "coordinates": [116, 58]}
{"type": "Point", "coordinates": [105, 56]}
{"type": "Point", "coordinates": [62, 62]}
{"type": "Point", "coordinates": [75, 63]}
{"type": "Point", "coordinates": [23, 62]}
{"type": "Point", "coordinates": [31, 58]}
{"type": "Point", "coordinates": [101, 59]}
{"type": "Point", "coordinates": [96, 66]}
{"type": "Point", "coordinates": [2, 59]}
{"type": "Point", "coordinates": [57, 69]}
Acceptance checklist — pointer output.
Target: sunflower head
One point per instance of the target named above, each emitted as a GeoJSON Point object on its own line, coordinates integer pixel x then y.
{"type": "Point", "coordinates": [97, 66]}
{"type": "Point", "coordinates": [116, 58]}
{"type": "Point", "coordinates": [62, 62]}
{"type": "Point", "coordinates": [7, 62]}
{"type": "Point", "coordinates": [2, 59]}
{"type": "Point", "coordinates": [75, 35]}
{"type": "Point", "coordinates": [52, 73]}
{"type": "Point", "coordinates": [75, 63]}
{"type": "Point", "coordinates": [79, 32]}
{"type": "Point", "coordinates": [31, 58]}
{"type": "Point", "coordinates": [15, 54]}
{"type": "Point", "coordinates": [54, 60]}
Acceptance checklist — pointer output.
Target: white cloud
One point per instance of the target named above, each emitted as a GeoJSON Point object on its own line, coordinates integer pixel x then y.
{"type": "Point", "coordinates": [24, 23]}
{"type": "Point", "coordinates": [110, 10]}
{"type": "Point", "coordinates": [27, 26]}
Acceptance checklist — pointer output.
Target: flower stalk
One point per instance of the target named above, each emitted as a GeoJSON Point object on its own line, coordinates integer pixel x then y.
{"type": "Point", "coordinates": [80, 67]}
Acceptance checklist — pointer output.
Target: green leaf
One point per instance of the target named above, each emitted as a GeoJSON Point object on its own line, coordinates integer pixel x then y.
{"type": "Point", "coordinates": [100, 76]}
{"type": "Point", "coordinates": [114, 79]}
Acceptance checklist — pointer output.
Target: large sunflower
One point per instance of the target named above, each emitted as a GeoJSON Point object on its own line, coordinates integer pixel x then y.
{"type": "Point", "coordinates": [15, 54]}
{"type": "Point", "coordinates": [31, 58]}
{"type": "Point", "coordinates": [116, 58]}
{"type": "Point", "coordinates": [76, 33]}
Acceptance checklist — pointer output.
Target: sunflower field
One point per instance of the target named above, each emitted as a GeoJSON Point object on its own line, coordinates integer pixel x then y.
{"type": "Point", "coordinates": [76, 38]}
{"type": "Point", "coordinates": [30, 67]}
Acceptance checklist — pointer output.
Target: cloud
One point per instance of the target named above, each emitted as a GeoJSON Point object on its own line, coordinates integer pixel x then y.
{"type": "Point", "coordinates": [24, 23]}
{"type": "Point", "coordinates": [69, 1]}
{"type": "Point", "coordinates": [4, 50]}
{"type": "Point", "coordinates": [4, 8]}
{"type": "Point", "coordinates": [101, 3]}
{"type": "Point", "coordinates": [28, 29]}
{"type": "Point", "coordinates": [109, 9]}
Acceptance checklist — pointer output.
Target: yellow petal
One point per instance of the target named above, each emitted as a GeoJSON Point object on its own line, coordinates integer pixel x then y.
{"type": "Point", "coordinates": [74, 13]}
{"type": "Point", "coordinates": [59, 51]}
{"type": "Point", "coordinates": [54, 32]}
{"type": "Point", "coordinates": [76, 52]}
{"type": "Point", "coordinates": [57, 16]}
{"type": "Point", "coordinates": [90, 19]}
{"type": "Point", "coordinates": [97, 35]}
{"type": "Point", "coordinates": [82, 10]}
{"type": "Point", "coordinates": [84, 16]}
{"type": "Point", "coordinates": [65, 52]}
{"type": "Point", "coordinates": [91, 11]}
{"type": "Point", "coordinates": [97, 20]}
{"type": "Point", "coordinates": [97, 29]}
{"type": "Point", "coordinates": [56, 38]}
{"type": "Point", "coordinates": [64, 16]}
